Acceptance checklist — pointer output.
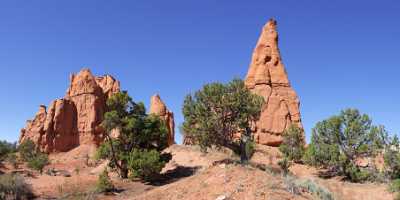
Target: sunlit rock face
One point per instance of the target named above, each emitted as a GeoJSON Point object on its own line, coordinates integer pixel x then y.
{"type": "Point", "coordinates": [158, 107]}
{"type": "Point", "coordinates": [74, 119]}
{"type": "Point", "coordinates": [267, 77]}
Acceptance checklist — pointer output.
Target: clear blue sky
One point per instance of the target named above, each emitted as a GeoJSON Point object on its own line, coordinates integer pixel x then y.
{"type": "Point", "coordinates": [338, 54]}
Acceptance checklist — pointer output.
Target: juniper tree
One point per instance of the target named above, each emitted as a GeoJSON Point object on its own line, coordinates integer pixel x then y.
{"type": "Point", "coordinates": [137, 132]}
{"type": "Point", "coordinates": [218, 112]}
{"type": "Point", "coordinates": [337, 142]}
{"type": "Point", "coordinates": [293, 143]}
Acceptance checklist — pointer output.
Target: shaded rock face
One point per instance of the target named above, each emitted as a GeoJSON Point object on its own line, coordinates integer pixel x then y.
{"type": "Point", "coordinates": [158, 107]}
{"type": "Point", "coordinates": [75, 119]}
{"type": "Point", "coordinates": [267, 77]}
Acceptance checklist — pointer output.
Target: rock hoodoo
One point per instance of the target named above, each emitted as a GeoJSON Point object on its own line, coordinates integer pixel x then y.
{"type": "Point", "coordinates": [267, 77]}
{"type": "Point", "coordinates": [158, 107]}
{"type": "Point", "coordinates": [74, 119]}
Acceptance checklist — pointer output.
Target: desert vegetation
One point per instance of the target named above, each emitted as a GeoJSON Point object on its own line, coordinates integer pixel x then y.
{"type": "Point", "coordinates": [7, 150]}
{"type": "Point", "coordinates": [137, 150]}
{"type": "Point", "coordinates": [222, 115]}
{"type": "Point", "coordinates": [35, 159]}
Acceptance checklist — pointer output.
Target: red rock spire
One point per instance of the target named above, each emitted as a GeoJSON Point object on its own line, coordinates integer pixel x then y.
{"type": "Point", "coordinates": [267, 77]}
{"type": "Point", "coordinates": [158, 107]}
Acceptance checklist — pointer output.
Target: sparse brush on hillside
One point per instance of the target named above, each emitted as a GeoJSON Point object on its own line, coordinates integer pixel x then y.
{"type": "Point", "coordinates": [392, 158]}
{"type": "Point", "coordinates": [216, 114]}
{"type": "Point", "coordinates": [337, 142]}
{"type": "Point", "coordinates": [295, 186]}
{"type": "Point", "coordinates": [30, 154]}
{"type": "Point", "coordinates": [27, 150]}
{"type": "Point", "coordinates": [38, 162]}
{"type": "Point", "coordinates": [104, 184]}
{"type": "Point", "coordinates": [14, 187]}
{"type": "Point", "coordinates": [138, 132]}
{"type": "Point", "coordinates": [6, 149]}
{"type": "Point", "coordinates": [12, 159]}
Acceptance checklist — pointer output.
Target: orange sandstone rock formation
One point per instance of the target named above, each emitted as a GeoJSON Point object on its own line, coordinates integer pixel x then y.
{"type": "Point", "coordinates": [74, 119]}
{"type": "Point", "coordinates": [158, 107]}
{"type": "Point", "coordinates": [267, 77]}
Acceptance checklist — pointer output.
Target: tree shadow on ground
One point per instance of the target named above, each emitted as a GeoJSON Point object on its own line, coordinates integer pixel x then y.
{"type": "Point", "coordinates": [326, 174]}
{"type": "Point", "coordinates": [174, 175]}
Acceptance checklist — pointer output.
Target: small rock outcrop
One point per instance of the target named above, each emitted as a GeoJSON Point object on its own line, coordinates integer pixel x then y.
{"type": "Point", "coordinates": [158, 107]}
{"type": "Point", "coordinates": [267, 77]}
{"type": "Point", "coordinates": [74, 119]}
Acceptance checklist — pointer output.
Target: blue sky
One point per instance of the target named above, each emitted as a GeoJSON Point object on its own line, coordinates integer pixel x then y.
{"type": "Point", "coordinates": [338, 54]}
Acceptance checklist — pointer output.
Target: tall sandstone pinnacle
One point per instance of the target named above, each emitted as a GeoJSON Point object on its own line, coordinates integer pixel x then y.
{"type": "Point", "coordinates": [158, 107]}
{"type": "Point", "coordinates": [267, 77]}
{"type": "Point", "coordinates": [73, 120]}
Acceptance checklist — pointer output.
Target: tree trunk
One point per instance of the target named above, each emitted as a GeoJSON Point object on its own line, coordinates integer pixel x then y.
{"type": "Point", "coordinates": [244, 139]}
{"type": "Point", "coordinates": [124, 170]}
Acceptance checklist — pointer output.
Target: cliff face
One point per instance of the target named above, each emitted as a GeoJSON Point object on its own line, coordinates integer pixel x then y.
{"type": "Point", "coordinates": [74, 119]}
{"type": "Point", "coordinates": [267, 77]}
{"type": "Point", "coordinates": [158, 107]}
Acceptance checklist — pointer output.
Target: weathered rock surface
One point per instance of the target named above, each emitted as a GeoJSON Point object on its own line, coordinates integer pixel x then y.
{"type": "Point", "coordinates": [267, 77]}
{"type": "Point", "coordinates": [158, 107]}
{"type": "Point", "coordinates": [75, 119]}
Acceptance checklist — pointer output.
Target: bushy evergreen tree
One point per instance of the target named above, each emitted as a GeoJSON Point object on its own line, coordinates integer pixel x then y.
{"type": "Point", "coordinates": [137, 132]}
{"type": "Point", "coordinates": [337, 142]}
{"type": "Point", "coordinates": [215, 115]}
{"type": "Point", "coordinates": [293, 143]}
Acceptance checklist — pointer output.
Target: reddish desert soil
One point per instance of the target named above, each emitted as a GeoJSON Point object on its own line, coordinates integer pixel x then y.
{"type": "Point", "coordinates": [192, 174]}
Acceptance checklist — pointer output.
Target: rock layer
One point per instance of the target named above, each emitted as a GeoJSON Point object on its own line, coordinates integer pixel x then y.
{"type": "Point", "coordinates": [75, 119]}
{"type": "Point", "coordinates": [267, 77]}
{"type": "Point", "coordinates": [158, 107]}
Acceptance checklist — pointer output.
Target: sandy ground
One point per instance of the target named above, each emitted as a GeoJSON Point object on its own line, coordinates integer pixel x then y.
{"type": "Point", "coordinates": [192, 174]}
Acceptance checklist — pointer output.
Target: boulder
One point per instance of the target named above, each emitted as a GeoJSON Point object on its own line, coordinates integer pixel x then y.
{"type": "Point", "coordinates": [74, 119]}
{"type": "Point", "coordinates": [158, 107]}
{"type": "Point", "coordinates": [268, 78]}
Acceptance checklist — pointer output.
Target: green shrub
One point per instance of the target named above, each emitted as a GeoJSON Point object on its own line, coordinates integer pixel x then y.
{"type": "Point", "coordinates": [27, 150]}
{"type": "Point", "coordinates": [5, 149]}
{"type": "Point", "coordinates": [215, 114]}
{"type": "Point", "coordinates": [315, 189]}
{"type": "Point", "coordinates": [337, 142]}
{"type": "Point", "coordinates": [12, 159]}
{"type": "Point", "coordinates": [285, 165]}
{"type": "Point", "coordinates": [293, 143]}
{"type": "Point", "coordinates": [394, 186]}
{"type": "Point", "coordinates": [14, 187]}
{"type": "Point", "coordinates": [137, 130]}
{"type": "Point", "coordinates": [38, 162]}
{"type": "Point", "coordinates": [392, 158]}
{"type": "Point", "coordinates": [356, 174]}
{"type": "Point", "coordinates": [250, 148]}
{"type": "Point", "coordinates": [146, 165]}
{"type": "Point", "coordinates": [104, 184]}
